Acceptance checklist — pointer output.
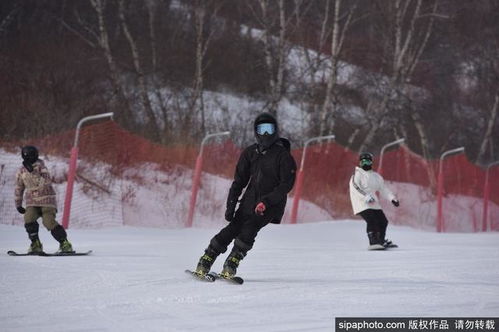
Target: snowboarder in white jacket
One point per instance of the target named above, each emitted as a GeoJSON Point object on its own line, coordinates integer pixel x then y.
{"type": "Point", "coordinates": [364, 184]}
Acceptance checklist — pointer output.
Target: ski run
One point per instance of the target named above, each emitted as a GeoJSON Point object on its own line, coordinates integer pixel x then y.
{"type": "Point", "coordinates": [296, 278]}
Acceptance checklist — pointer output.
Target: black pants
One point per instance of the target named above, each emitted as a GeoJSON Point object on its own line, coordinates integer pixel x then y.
{"type": "Point", "coordinates": [376, 221]}
{"type": "Point", "coordinates": [243, 229]}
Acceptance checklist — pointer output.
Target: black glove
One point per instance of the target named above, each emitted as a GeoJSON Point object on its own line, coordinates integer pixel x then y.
{"type": "Point", "coordinates": [28, 166]}
{"type": "Point", "coordinates": [21, 210]}
{"type": "Point", "coordinates": [395, 202]}
{"type": "Point", "coordinates": [229, 211]}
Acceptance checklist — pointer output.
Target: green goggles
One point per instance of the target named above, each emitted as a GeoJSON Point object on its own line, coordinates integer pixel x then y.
{"type": "Point", "coordinates": [366, 162]}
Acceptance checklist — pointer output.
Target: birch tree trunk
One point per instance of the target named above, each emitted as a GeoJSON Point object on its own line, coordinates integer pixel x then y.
{"type": "Point", "coordinates": [376, 120]}
{"type": "Point", "coordinates": [407, 52]}
{"type": "Point", "coordinates": [146, 103]}
{"type": "Point", "coordinates": [487, 137]}
{"type": "Point", "coordinates": [103, 41]}
{"type": "Point", "coordinates": [151, 8]}
{"type": "Point", "coordinates": [8, 19]}
{"type": "Point", "coordinates": [278, 91]}
{"type": "Point", "coordinates": [198, 103]}
{"type": "Point", "coordinates": [331, 101]}
{"type": "Point", "coordinates": [313, 59]}
{"type": "Point", "coordinates": [425, 143]}
{"type": "Point", "coordinates": [204, 11]}
{"type": "Point", "coordinates": [274, 59]}
{"type": "Point", "coordinates": [151, 11]}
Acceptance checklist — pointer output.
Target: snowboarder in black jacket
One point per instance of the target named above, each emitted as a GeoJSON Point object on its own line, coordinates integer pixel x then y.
{"type": "Point", "coordinates": [267, 171]}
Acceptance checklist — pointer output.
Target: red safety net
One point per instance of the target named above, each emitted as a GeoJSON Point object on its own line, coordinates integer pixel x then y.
{"type": "Point", "coordinates": [412, 179]}
{"type": "Point", "coordinates": [123, 178]}
{"type": "Point", "coordinates": [462, 196]}
{"type": "Point", "coordinates": [326, 173]}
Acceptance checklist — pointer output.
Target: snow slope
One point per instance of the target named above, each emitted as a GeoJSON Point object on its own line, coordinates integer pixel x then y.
{"type": "Point", "coordinates": [298, 278]}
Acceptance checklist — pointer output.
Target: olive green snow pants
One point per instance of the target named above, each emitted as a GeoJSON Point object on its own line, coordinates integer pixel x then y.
{"type": "Point", "coordinates": [47, 213]}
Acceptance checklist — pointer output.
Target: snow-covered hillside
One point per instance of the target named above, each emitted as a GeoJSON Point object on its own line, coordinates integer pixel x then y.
{"type": "Point", "coordinates": [297, 278]}
{"type": "Point", "coordinates": [144, 196]}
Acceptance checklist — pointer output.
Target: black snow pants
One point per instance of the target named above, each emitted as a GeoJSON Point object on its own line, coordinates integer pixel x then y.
{"type": "Point", "coordinates": [243, 229]}
{"type": "Point", "coordinates": [376, 221]}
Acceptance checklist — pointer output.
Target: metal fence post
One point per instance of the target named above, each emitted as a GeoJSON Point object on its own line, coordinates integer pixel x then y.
{"type": "Point", "coordinates": [196, 179]}
{"type": "Point", "coordinates": [300, 176]}
{"type": "Point", "coordinates": [440, 189]}
{"type": "Point", "coordinates": [73, 161]}
{"type": "Point", "coordinates": [386, 146]}
{"type": "Point", "coordinates": [486, 196]}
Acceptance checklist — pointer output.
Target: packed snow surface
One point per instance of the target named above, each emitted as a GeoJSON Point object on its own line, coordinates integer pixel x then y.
{"type": "Point", "coordinates": [297, 278]}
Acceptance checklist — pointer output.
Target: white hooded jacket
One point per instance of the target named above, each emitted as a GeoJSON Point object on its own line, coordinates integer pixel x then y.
{"type": "Point", "coordinates": [363, 188]}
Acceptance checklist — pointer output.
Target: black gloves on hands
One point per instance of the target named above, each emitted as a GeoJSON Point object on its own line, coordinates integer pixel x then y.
{"type": "Point", "coordinates": [395, 202]}
{"type": "Point", "coordinates": [28, 166]}
{"type": "Point", "coordinates": [21, 210]}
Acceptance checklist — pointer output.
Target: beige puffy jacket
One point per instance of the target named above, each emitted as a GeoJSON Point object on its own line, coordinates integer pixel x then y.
{"type": "Point", "coordinates": [37, 186]}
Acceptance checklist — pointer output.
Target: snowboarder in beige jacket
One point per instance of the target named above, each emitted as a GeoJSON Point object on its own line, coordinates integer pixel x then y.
{"type": "Point", "coordinates": [33, 183]}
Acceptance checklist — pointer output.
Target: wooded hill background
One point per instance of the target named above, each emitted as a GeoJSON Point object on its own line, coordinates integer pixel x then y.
{"type": "Point", "coordinates": [369, 71]}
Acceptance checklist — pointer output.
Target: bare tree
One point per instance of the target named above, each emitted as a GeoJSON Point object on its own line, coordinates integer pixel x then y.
{"type": "Point", "coordinates": [411, 30]}
{"type": "Point", "coordinates": [151, 7]}
{"type": "Point", "coordinates": [144, 97]}
{"type": "Point", "coordinates": [476, 78]}
{"type": "Point", "coordinates": [151, 19]}
{"type": "Point", "coordinates": [275, 48]}
{"type": "Point", "coordinates": [9, 18]}
{"type": "Point", "coordinates": [102, 38]}
{"type": "Point", "coordinates": [314, 59]}
{"type": "Point", "coordinates": [340, 27]}
{"type": "Point", "coordinates": [203, 13]}
{"type": "Point", "coordinates": [487, 136]}
{"type": "Point", "coordinates": [487, 64]}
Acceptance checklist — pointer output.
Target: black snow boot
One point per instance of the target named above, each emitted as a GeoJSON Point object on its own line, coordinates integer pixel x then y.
{"type": "Point", "coordinates": [375, 241]}
{"type": "Point", "coordinates": [232, 262]}
{"type": "Point", "coordinates": [206, 261]}
{"type": "Point", "coordinates": [389, 244]}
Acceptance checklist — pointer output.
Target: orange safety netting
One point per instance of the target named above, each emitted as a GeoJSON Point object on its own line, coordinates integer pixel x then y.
{"type": "Point", "coordinates": [117, 168]}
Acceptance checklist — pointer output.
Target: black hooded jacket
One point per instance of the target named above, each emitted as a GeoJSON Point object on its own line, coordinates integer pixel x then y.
{"type": "Point", "coordinates": [271, 176]}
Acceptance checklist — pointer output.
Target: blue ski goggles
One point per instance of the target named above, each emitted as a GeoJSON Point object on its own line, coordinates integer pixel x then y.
{"type": "Point", "coordinates": [265, 128]}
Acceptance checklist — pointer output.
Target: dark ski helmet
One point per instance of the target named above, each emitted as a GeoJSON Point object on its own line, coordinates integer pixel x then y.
{"type": "Point", "coordinates": [266, 130]}
{"type": "Point", "coordinates": [29, 154]}
{"type": "Point", "coordinates": [366, 160]}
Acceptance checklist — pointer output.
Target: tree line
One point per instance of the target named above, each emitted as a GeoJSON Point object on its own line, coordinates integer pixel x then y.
{"type": "Point", "coordinates": [426, 70]}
